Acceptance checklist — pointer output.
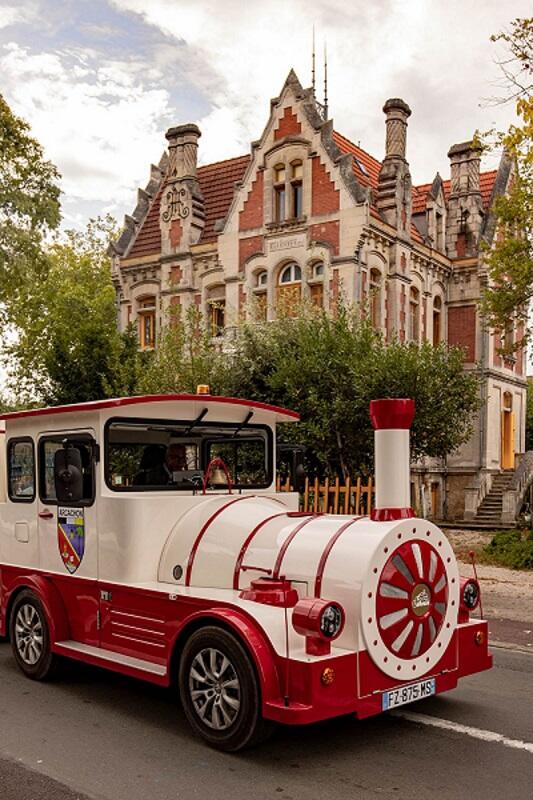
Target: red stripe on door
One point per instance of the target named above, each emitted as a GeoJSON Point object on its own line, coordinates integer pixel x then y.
{"type": "Point", "coordinates": [288, 540]}
{"type": "Point", "coordinates": [327, 550]}
{"type": "Point", "coordinates": [244, 548]}
{"type": "Point", "coordinates": [204, 528]}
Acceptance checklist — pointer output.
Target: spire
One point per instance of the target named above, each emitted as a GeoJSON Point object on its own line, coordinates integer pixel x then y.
{"type": "Point", "coordinates": [325, 81]}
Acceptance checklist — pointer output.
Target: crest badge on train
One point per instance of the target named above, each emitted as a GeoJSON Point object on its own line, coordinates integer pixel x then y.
{"type": "Point", "coordinates": [71, 536]}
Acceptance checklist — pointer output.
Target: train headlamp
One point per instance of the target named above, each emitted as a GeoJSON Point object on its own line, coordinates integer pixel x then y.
{"type": "Point", "coordinates": [320, 621]}
{"type": "Point", "coordinates": [470, 594]}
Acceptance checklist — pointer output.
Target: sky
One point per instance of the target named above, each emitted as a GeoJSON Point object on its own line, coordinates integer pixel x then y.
{"type": "Point", "coordinates": [99, 81]}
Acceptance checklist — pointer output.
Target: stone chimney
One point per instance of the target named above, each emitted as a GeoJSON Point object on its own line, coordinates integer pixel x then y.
{"type": "Point", "coordinates": [182, 215]}
{"type": "Point", "coordinates": [465, 206]}
{"type": "Point", "coordinates": [394, 185]}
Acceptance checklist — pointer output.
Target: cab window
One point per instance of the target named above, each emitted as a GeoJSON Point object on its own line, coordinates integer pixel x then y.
{"type": "Point", "coordinates": [155, 454]}
{"type": "Point", "coordinates": [21, 470]}
{"type": "Point", "coordinates": [47, 449]}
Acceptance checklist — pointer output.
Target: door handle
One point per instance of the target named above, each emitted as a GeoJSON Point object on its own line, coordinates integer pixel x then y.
{"type": "Point", "coordinates": [46, 514]}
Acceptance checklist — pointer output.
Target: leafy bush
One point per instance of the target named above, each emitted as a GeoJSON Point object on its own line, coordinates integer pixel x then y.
{"type": "Point", "coordinates": [513, 549]}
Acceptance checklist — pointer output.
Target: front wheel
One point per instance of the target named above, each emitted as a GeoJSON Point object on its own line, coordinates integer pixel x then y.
{"type": "Point", "coordinates": [220, 692]}
{"type": "Point", "coordinates": [30, 637]}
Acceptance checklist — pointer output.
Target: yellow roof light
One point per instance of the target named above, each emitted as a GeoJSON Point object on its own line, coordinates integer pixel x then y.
{"type": "Point", "coordinates": [203, 388]}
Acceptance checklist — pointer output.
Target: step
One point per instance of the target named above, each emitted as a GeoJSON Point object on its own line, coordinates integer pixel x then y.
{"type": "Point", "coordinates": [74, 649]}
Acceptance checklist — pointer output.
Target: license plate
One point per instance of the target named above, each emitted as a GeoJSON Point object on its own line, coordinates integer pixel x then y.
{"type": "Point", "coordinates": [407, 694]}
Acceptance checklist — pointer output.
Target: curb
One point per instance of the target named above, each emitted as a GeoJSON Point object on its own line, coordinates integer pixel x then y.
{"type": "Point", "coordinates": [517, 648]}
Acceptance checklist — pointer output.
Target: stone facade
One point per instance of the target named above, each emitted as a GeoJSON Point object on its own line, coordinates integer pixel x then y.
{"type": "Point", "coordinates": [308, 214]}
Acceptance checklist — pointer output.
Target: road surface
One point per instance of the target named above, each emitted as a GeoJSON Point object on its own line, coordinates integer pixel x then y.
{"type": "Point", "coordinates": [93, 735]}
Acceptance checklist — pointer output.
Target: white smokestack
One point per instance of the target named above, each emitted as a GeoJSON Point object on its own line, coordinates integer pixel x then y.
{"type": "Point", "coordinates": [392, 420]}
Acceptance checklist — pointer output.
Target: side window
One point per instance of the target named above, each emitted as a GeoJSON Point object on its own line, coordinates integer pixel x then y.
{"type": "Point", "coordinates": [21, 470]}
{"type": "Point", "coordinates": [245, 460]}
{"type": "Point", "coordinates": [47, 450]}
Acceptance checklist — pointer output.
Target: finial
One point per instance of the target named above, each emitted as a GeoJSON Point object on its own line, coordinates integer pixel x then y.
{"type": "Point", "coordinates": [325, 80]}
{"type": "Point", "coordinates": [313, 65]}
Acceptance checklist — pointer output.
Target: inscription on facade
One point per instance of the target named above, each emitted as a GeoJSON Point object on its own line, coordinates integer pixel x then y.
{"type": "Point", "coordinates": [286, 243]}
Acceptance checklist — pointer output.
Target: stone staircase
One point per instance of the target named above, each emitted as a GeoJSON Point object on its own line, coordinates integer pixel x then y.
{"type": "Point", "coordinates": [489, 513]}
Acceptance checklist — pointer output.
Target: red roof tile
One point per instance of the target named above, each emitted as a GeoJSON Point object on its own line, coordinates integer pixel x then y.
{"type": "Point", "coordinates": [366, 168]}
{"type": "Point", "coordinates": [217, 184]}
{"type": "Point", "coordinates": [420, 193]}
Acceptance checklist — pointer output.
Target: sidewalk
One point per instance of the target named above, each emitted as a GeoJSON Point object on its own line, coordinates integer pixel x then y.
{"type": "Point", "coordinates": [506, 594]}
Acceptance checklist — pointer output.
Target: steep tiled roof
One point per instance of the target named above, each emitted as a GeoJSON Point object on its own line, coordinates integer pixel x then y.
{"type": "Point", "coordinates": [366, 168]}
{"type": "Point", "coordinates": [420, 193]}
{"type": "Point", "coordinates": [217, 184]}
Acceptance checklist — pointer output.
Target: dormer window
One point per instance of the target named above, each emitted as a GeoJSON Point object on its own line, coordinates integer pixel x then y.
{"type": "Point", "coordinates": [297, 172]}
{"type": "Point", "coordinates": [279, 192]}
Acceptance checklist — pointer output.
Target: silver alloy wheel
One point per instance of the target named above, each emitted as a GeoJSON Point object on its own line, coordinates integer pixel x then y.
{"type": "Point", "coordinates": [29, 634]}
{"type": "Point", "coordinates": [215, 689]}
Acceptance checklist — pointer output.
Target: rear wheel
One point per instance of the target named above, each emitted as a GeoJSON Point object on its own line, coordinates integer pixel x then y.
{"type": "Point", "coordinates": [30, 637]}
{"type": "Point", "coordinates": [219, 691]}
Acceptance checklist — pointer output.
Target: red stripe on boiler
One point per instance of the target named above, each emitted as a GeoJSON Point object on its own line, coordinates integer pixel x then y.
{"type": "Point", "coordinates": [244, 548]}
{"type": "Point", "coordinates": [287, 542]}
{"type": "Point", "coordinates": [325, 555]}
{"type": "Point", "coordinates": [204, 528]}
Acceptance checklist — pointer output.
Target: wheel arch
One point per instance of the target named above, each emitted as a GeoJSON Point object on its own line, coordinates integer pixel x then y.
{"type": "Point", "coordinates": [51, 600]}
{"type": "Point", "coordinates": [248, 634]}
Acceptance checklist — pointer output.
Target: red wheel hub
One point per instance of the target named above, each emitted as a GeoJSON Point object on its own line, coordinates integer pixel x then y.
{"type": "Point", "coordinates": [412, 598]}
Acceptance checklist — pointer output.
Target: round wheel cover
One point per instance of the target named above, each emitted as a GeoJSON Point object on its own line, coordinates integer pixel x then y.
{"type": "Point", "coordinates": [410, 600]}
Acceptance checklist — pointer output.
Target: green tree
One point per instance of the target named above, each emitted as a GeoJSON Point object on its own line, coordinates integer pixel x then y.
{"type": "Point", "coordinates": [509, 258]}
{"type": "Point", "coordinates": [29, 204]}
{"type": "Point", "coordinates": [328, 369]}
{"type": "Point", "coordinates": [67, 347]}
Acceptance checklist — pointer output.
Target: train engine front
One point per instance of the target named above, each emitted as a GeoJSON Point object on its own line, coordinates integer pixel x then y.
{"type": "Point", "coordinates": [340, 614]}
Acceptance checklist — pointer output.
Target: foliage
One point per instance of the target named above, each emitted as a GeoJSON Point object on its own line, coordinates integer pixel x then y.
{"type": "Point", "coordinates": [509, 259]}
{"type": "Point", "coordinates": [513, 549]}
{"type": "Point", "coordinates": [329, 368]}
{"type": "Point", "coordinates": [29, 203]}
{"type": "Point", "coordinates": [67, 347]}
{"type": "Point", "coordinates": [185, 357]}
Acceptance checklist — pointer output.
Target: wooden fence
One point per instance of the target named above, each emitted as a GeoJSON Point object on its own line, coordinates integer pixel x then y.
{"type": "Point", "coordinates": [333, 497]}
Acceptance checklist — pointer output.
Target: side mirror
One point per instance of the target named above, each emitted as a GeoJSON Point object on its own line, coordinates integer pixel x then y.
{"type": "Point", "coordinates": [298, 480]}
{"type": "Point", "coordinates": [68, 476]}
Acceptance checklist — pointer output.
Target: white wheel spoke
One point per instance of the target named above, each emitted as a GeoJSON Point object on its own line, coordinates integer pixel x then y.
{"type": "Point", "coordinates": [440, 608]}
{"type": "Point", "coordinates": [400, 640]}
{"type": "Point", "coordinates": [418, 641]}
{"type": "Point", "coordinates": [432, 566]}
{"type": "Point", "coordinates": [388, 590]}
{"type": "Point", "coordinates": [432, 630]}
{"type": "Point", "coordinates": [440, 584]}
{"type": "Point", "coordinates": [415, 547]}
{"type": "Point", "coordinates": [390, 619]}
{"type": "Point", "coordinates": [402, 567]}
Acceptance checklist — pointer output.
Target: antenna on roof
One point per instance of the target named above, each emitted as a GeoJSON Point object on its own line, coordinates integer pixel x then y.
{"type": "Point", "coordinates": [325, 81]}
{"type": "Point", "coordinates": [313, 65]}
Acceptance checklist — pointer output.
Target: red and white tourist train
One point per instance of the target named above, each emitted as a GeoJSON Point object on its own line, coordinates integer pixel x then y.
{"type": "Point", "coordinates": [146, 535]}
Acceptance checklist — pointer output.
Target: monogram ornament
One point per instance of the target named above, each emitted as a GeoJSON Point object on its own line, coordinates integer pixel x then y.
{"type": "Point", "coordinates": [176, 205]}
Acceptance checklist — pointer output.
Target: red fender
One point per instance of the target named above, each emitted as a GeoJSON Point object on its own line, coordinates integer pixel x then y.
{"type": "Point", "coordinates": [254, 640]}
{"type": "Point", "coordinates": [52, 603]}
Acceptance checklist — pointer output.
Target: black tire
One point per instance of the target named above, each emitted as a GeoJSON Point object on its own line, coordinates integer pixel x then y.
{"type": "Point", "coordinates": [30, 637]}
{"type": "Point", "coordinates": [232, 700]}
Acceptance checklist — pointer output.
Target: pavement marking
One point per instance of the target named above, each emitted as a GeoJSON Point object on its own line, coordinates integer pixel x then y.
{"type": "Point", "coordinates": [476, 733]}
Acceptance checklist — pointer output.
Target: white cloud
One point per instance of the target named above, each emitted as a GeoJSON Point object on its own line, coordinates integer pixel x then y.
{"type": "Point", "coordinates": [10, 15]}
{"type": "Point", "coordinates": [98, 123]}
{"type": "Point", "coordinates": [435, 55]}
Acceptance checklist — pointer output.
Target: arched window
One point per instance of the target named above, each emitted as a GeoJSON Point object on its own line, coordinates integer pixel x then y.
{"type": "Point", "coordinates": [414, 314]}
{"type": "Point", "coordinates": [290, 274]}
{"type": "Point", "coordinates": [375, 297]}
{"type": "Point", "coordinates": [146, 314]}
{"type": "Point", "coordinates": [216, 309]}
{"type": "Point", "coordinates": [297, 172]}
{"type": "Point", "coordinates": [289, 291]}
{"type": "Point", "coordinates": [437, 317]}
{"type": "Point", "coordinates": [279, 192]}
{"type": "Point", "coordinates": [261, 279]}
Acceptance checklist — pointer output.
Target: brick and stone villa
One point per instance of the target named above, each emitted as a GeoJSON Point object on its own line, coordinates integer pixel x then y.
{"type": "Point", "coordinates": [309, 214]}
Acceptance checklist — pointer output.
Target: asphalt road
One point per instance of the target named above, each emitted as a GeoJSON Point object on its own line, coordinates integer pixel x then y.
{"type": "Point", "coordinates": [93, 735]}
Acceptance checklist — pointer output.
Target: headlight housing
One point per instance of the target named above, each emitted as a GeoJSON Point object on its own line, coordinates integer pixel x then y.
{"type": "Point", "coordinates": [320, 621]}
{"type": "Point", "coordinates": [470, 595]}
